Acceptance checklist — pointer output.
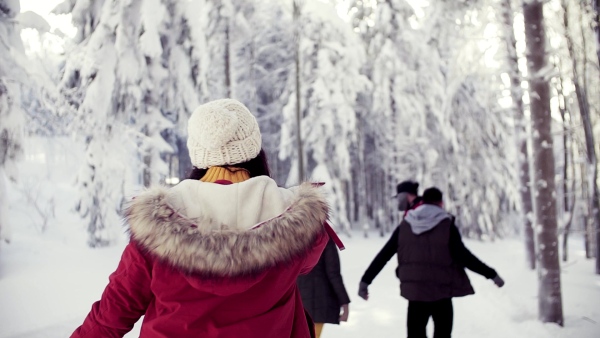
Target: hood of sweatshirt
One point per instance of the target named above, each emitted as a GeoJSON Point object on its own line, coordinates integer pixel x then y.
{"type": "Point", "coordinates": [425, 218]}
{"type": "Point", "coordinates": [224, 232]}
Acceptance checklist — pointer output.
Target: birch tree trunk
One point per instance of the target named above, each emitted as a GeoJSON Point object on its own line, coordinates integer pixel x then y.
{"type": "Point", "coordinates": [549, 293]}
{"type": "Point", "coordinates": [520, 132]}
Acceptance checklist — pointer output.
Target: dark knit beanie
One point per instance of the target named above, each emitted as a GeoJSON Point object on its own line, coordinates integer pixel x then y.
{"type": "Point", "coordinates": [407, 187]}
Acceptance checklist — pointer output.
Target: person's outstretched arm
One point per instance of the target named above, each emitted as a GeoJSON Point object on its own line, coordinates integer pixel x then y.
{"type": "Point", "coordinates": [387, 252]}
{"type": "Point", "coordinates": [124, 300]}
{"type": "Point", "coordinates": [465, 258]}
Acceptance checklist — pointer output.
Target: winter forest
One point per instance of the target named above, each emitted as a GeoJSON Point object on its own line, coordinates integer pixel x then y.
{"type": "Point", "coordinates": [495, 102]}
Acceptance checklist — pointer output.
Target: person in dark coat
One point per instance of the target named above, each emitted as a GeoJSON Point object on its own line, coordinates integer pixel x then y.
{"type": "Point", "coordinates": [431, 267]}
{"type": "Point", "coordinates": [323, 292]}
{"type": "Point", "coordinates": [407, 194]}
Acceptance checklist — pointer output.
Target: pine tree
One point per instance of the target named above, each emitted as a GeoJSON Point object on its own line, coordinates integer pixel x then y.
{"type": "Point", "coordinates": [331, 57]}
{"type": "Point", "coordinates": [384, 27]}
{"type": "Point", "coordinates": [134, 77]}
{"type": "Point", "coordinates": [264, 74]}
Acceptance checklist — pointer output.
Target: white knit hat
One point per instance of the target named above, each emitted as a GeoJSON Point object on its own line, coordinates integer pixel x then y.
{"type": "Point", "coordinates": [222, 132]}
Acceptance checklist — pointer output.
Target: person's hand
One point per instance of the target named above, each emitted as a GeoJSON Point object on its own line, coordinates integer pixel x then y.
{"type": "Point", "coordinates": [498, 281]}
{"type": "Point", "coordinates": [345, 313]}
{"type": "Point", "coordinates": [363, 290]}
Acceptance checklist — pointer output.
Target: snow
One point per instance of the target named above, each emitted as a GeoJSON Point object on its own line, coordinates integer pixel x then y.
{"type": "Point", "coordinates": [33, 20]}
{"type": "Point", "coordinates": [152, 12]}
{"type": "Point", "coordinates": [64, 7]}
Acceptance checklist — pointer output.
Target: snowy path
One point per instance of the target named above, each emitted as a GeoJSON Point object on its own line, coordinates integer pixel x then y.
{"type": "Point", "coordinates": [46, 289]}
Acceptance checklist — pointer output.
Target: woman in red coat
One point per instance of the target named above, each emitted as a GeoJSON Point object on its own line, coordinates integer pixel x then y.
{"type": "Point", "coordinates": [216, 256]}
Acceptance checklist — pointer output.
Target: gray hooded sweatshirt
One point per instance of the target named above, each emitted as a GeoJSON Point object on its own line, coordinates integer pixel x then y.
{"type": "Point", "coordinates": [425, 218]}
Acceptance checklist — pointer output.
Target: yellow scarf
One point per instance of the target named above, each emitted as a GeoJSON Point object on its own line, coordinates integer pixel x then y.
{"type": "Point", "coordinates": [231, 174]}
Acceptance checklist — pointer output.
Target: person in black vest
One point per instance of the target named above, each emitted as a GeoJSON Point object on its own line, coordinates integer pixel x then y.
{"type": "Point", "coordinates": [323, 292]}
{"type": "Point", "coordinates": [431, 266]}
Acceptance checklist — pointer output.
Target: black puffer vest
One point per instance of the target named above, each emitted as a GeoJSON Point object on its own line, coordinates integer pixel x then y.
{"type": "Point", "coordinates": [425, 267]}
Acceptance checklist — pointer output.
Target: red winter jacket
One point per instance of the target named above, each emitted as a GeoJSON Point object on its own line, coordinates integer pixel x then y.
{"type": "Point", "coordinates": [193, 271]}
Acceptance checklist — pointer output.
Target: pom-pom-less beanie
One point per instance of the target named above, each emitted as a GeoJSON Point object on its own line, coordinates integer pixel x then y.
{"type": "Point", "coordinates": [222, 132]}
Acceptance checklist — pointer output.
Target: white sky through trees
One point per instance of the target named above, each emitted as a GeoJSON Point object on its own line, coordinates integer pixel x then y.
{"type": "Point", "coordinates": [43, 8]}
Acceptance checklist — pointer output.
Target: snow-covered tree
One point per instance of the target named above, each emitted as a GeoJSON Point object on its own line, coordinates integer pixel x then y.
{"type": "Point", "coordinates": [134, 77]}
{"type": "Point", "coordinates": [575, 75]}
{"type": "Point", "coordinates": [263, 71]}
{"type": "Point", "coordinates": [579, 60]}
{"type": "Point", "coordinates": [390, 66]}
{"type": "Point", "coordinates": [331, 56]}
{"type": "Point", "coordinates": [251, 51]}
{"type": "Point", "coordinates": [507, 22]}
{"type": "Point", "coordinates": [12, 117]}
{"type": "Point", "coordinates": [478, 138]}
{"type": "Point", "coordinates": [432, 96]}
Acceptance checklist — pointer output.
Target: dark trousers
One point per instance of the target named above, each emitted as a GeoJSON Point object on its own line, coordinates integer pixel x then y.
{"type": "Point", "coordinates": [418, 315]}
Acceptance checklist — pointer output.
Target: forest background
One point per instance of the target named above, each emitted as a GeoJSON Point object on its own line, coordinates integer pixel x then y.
{"type": "Point", "coordinates": [496, 102]}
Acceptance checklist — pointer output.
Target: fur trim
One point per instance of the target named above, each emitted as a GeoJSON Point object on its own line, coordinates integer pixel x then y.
{"type": "Point", "coordinates": [217, 250]}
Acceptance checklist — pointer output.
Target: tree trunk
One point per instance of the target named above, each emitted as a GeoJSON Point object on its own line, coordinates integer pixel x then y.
{"type": "Point", "coordinates": [147, 161]}
{"type": "Point", "coordinates": [348, 192]}
{"type": "Point", "coordinates": [596, 6]}
{"type": "Point", "coordinates": [394, 163]}
{"type": "Point", "coordinates": [4, 225]}
{"type": "Point", "coordinates": [562, 107]}
{"type": "Point", "coordinates": [183, 158]}
{"type": "Point", "coordinates": [596, 215]}
{"type": "Point", "coordinates": [520, 132]}
{"type": "Point", "coordinates": [549, 294]}
{"type": "Point", "coordinates": [228, 59]}
{"type": "Point", "coordinates": [585, 215]}
{"type": "Point", "coordinates": [297, 4]}
{"type": "Point", "coordinates": [360, 200]}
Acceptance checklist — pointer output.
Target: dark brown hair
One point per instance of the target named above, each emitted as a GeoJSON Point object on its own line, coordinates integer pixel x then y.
{"type": "Point", "coordinates": [432, 195]}
{"type": "Point", "coordinates": [257, 166]}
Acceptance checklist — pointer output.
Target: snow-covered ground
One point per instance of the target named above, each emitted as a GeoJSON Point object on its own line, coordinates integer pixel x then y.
{"type": "Point", "coordinates": [47, 287]}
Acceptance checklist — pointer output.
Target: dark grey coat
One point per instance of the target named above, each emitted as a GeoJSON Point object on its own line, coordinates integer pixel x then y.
{"type": "Point", "coordinates": [323, 292]}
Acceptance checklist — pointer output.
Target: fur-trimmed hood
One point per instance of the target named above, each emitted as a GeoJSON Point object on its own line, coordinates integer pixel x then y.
{"type": "Point", "coordinates": [233, 230]}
